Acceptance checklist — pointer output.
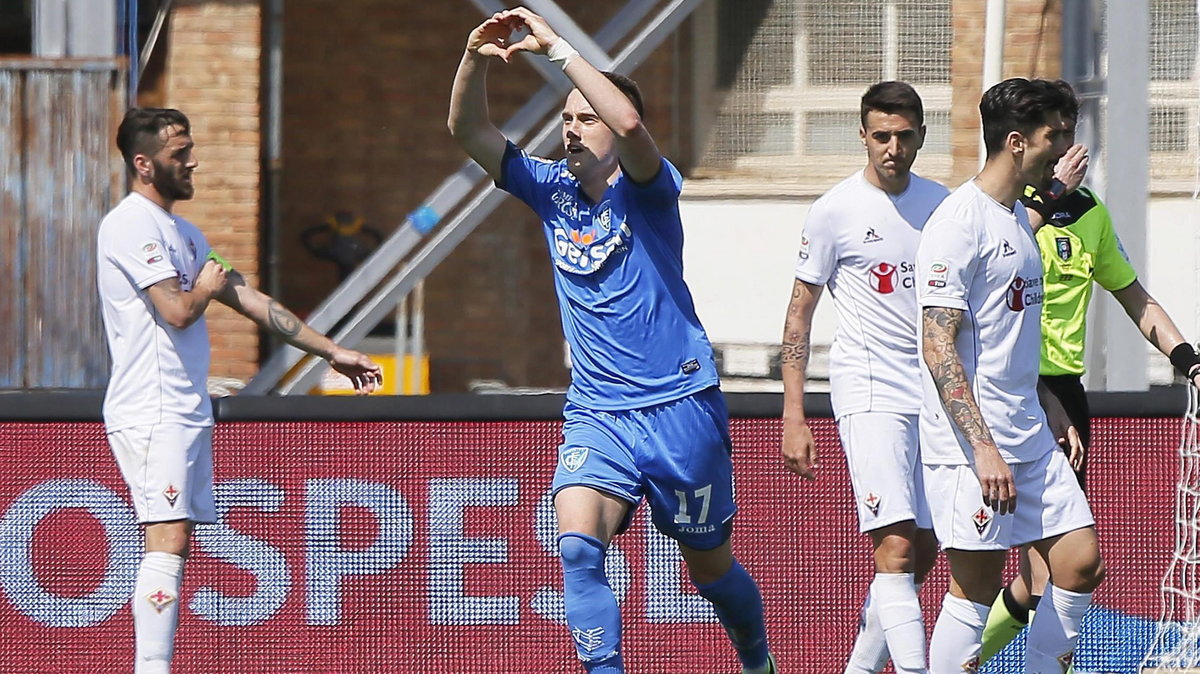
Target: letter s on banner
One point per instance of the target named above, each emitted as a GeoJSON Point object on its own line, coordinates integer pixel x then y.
{"type": "Point", "coordinates": [260, 559]}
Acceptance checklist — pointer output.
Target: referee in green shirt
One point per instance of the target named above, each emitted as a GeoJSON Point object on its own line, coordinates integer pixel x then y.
{"type": "Point", "coordinates": [1075, 234]}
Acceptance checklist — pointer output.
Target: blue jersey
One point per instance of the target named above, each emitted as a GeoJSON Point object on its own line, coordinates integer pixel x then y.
{"type": "Point", "coordinates": [626, 313]}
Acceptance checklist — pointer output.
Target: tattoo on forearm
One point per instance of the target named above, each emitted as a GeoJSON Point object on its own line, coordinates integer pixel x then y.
{"type": "Point", "coordinates": [794, 351]}
{"type": "Point", "coordinates": [795, 348]}
{"type": "Point", "coordinates": [283, 321]}
{"type": "Point", "coordinates": [940, 327]}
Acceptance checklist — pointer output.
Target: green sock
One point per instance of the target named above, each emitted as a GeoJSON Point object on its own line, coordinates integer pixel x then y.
{"type": "Point", "coordinates": [1002, 626]}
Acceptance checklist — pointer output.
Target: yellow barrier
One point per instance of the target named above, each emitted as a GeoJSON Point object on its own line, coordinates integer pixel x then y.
{"type": "Point", "coordinates": [412, 380]}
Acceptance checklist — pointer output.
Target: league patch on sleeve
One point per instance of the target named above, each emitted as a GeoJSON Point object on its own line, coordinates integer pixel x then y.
{"type": "Point", "coordinates": [939, 270]}
{"type": "Point", "coordinates": [804, 246]}
{"type": "Point", "coordinates": [151, 251]}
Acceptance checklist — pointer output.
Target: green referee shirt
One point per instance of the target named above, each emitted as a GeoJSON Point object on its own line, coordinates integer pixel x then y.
{"type": "Point", "coordinates": [1078, 245]}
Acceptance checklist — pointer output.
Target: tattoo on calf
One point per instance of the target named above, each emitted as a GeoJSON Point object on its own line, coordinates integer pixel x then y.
{"type": "Point", "coordinates": [283, 321]}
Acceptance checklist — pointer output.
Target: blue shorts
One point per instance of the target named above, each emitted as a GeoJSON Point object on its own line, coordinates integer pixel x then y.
{"type": "Point", "coordinates": [676, 454]}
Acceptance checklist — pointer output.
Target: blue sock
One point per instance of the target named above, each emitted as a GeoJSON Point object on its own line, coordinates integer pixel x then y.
{"type": "Point", "coordinates": [739, 607]}
{"type": "Point", "coordinates": [592, 613]}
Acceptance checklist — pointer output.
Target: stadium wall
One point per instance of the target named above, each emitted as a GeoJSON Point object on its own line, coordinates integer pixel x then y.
{"type": "Point", "coordinates": [416, 535]}
{"type": "Point", "coordinates": [365, 87]}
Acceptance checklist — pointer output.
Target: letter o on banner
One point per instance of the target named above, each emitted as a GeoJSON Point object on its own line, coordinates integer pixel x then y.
{"type": "Point", "coordinates": [17, 577]}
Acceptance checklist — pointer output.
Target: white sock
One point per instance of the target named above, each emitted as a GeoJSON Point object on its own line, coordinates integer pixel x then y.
{"type": "Point", "coordinates": [955, 645]}
{"type": "Point", "coordinates": [870, 651]}
{"type": "Point", "coordinates": [156, 611]}
{"type": "Point", "coordinates": [1054, 630]}
{"type": "Point", "coordinates": [894, 596]}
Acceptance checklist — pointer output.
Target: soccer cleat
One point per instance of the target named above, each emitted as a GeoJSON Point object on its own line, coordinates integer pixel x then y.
{"type": "Point", "coordinates": [770, 669]}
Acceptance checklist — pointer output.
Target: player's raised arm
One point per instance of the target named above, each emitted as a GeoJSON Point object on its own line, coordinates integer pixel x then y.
{"type": "Point", "coordinates": [469, 120]}
{"type": "Point", "coordinates": [940, 327]}
{"type": "Point", "coordinates": [799, 450]}
{"type": "Point", "coordinates": [272, 316]}
{"type": "Point", "coordinates": [640, 158]}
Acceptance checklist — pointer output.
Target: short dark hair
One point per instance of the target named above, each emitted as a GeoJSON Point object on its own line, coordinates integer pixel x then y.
{"type": "Point", "coordinates": [140, 131]}
{"type": "Point", "coordinates": [893, 98]}
{"type": "Point", "coordinates": [1019, 104]}
{"type": "Point", "coordinates": [630, 89]}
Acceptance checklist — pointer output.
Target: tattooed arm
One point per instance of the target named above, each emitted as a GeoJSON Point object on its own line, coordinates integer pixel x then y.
{"type": "Point", "coordinates": [799, 451]}
{"type": "Point", "coordinates": [940, 326]}
{"type": "Point", "coordinates": [180, 308]}
{"type": "Point", "coordinates": [277, 319]}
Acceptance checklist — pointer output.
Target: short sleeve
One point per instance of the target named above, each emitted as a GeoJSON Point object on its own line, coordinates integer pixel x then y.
{"type": "Point", "coordinates": [137, 248]}
{"type": "Point", "coordinates": [663, 189]}
{"type": "Point", "coordinates": [521, 174]}
{"type": "Point", "coordinates": [1113, 269]}
{"type": "Point", "coordinates": [947, 259]}
{"type": "Point", "coordinates": [818, 247]}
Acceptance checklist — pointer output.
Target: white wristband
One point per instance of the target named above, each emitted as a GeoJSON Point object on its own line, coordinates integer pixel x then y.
{"type": "Point", "coordinates": [561, 52]}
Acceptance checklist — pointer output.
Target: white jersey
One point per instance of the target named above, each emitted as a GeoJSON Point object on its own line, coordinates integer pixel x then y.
{"type": "Point", "coordinates": [978, 256]}
{"type": "Point", "coordinates": [159, 373]}
{"type": "Point", "coordinates": [861, 242]}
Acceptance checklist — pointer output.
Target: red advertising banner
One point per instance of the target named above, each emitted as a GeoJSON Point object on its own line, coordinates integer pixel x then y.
{"type": "Point", "coordinates": [428, 547]}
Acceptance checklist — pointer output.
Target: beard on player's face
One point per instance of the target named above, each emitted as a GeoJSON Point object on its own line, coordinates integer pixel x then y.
{"type": "Point", "coordinates": [173, 181]}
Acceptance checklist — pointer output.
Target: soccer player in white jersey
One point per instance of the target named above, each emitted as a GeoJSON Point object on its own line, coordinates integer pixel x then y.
{"type": "Point", "coordinates": [860, 240]}
{"type": "Point", "coordinates": [156, 280]}
{"type": "Point", "coordinates": [992, 466]}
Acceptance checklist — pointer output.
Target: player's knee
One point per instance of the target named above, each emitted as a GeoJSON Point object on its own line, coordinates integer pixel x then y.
{"type": "Point", "coordinates": [1091, 574]}
{"type": "Point", "coordinates": [580, 552]}
{"type": "Point", "coordinates": [895, 553]}
{"type": "Point", "coordinates": [1085, 575]}
{"type": "Point", "coordinates": [172, 539]}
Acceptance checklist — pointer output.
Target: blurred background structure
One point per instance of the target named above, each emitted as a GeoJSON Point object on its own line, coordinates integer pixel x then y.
{"type": "Point", "coordinates": [308, 111]}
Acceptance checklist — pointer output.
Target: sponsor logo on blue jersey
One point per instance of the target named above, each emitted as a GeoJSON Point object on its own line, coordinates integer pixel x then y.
{"type": "Point", "coordinates": [584, 239]}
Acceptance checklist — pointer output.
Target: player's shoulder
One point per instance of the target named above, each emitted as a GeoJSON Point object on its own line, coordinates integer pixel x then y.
{"type": "Point", "coordinates": [963, 200]}
{"type": "Point", "coordinates": [129, 217]}
{"type": "Point", "coordinates": [845, 196]}
{"type": "Point", "coordinates": [848, 186]}
{"type": "Point", "coordinates": [928, 188]}
{"type": "Point", "coordinates": [960, 209]}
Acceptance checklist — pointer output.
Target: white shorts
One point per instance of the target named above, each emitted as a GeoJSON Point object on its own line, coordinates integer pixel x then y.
{"type": "Point", "coordinates": [1049, 503]}
{"type": "Point", "coordinates": [885, 468]}
{"type": "Point", "coordinates": [169, 471]}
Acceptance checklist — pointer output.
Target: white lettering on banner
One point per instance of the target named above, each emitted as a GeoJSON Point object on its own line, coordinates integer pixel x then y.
{"type": "Point", "coordinates": [664, 572]}
{"type": "Point", "coordinates": [328, 563]}
{"type": "Point", "coordinates": [260, 559]}
{"type": "Point", "coordinates": [450, 551]}
{"type": "Point", "coordinates": [17, 576]}
{"type": "Point", "coordinates": [548, 601]}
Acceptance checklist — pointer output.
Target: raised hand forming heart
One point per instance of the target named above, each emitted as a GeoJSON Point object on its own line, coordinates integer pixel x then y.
{"type": "Point", "coordinates": [493, 36]}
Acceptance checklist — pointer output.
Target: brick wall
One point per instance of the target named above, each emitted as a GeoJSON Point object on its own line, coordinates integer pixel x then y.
{"type": "Point", "coordinates": [1032, 48]}
{"type": "Point", "coordinates": [213, 76]}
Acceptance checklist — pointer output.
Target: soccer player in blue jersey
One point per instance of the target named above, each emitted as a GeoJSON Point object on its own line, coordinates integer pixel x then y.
{"type": "Point", "coordinates": [644, 414]}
